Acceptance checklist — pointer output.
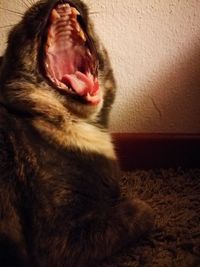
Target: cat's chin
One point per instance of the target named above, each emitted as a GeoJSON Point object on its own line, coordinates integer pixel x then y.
{"type": "Point", "coordinates": [69, 60]}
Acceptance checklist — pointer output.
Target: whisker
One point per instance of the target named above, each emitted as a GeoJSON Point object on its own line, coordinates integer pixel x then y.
{"type": "Point", "coordinates": [25, 4]}
{"type": "Point", "coordinates": [7, 26]}
{"type": "Point", "coordinates": [94, 12]}
{"type": "Point", "coordinates": [12, 11]}
{"type": "Point", "coordinates": [32, 2]}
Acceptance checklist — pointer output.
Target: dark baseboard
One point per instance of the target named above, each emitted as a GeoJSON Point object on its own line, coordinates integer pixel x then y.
{"type": "Point", "coordinates": [145, 151]}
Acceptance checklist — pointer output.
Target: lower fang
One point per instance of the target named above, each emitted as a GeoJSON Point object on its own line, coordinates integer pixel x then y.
{"type": "Point", "coordinates": [82, 35]}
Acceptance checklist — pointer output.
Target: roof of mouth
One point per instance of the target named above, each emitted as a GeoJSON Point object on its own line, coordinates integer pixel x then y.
{"type": "Point", "coordinates": [69, 62]}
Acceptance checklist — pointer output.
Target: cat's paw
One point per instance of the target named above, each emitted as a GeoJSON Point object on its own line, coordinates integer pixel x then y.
{"type": "Point", "coordinates": [138, 217]}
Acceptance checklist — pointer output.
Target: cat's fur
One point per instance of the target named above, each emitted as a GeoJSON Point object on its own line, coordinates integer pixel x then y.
{"type": "Point", "coordinates": [60, 200]}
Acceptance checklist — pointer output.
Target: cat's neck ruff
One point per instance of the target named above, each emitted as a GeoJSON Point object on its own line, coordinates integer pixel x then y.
{"type": "Point", "coordinates": [79, 135]}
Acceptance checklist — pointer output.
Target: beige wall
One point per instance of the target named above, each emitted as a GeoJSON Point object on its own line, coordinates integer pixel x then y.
{"type": "Point", "coordinates": [155, 50]}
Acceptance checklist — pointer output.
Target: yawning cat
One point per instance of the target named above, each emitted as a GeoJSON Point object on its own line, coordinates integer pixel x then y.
{"type": "Point", "coordinates": [60, 199]}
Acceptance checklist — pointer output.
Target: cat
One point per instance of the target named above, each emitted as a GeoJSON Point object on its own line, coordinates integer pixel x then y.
{"type": "Point", "coordinates": [60, 198]}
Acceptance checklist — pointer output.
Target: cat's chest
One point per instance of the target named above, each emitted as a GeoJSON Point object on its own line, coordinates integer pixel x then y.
{"type": "Point", "coordinates": [60, 176]}
{"type": "Point", "coordinates": [67, 169]}
{"type": "Point", "coordinates": [71, 184]}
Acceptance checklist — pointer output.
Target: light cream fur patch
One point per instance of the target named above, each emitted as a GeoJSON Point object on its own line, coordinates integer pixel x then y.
{"type": "Point", "coordinates": [79, 135]}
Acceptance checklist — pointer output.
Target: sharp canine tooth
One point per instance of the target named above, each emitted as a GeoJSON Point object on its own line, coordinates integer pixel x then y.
{"type": "Point", "coordinates": [54, 15]}
{"type": "Point", "coordinates": [88, 52]}
{"type": "Point", "coordinates": [49, 43]}
{"type": "Point", "coordinates": [74, 11]}
{"type": "Point", "coordinates": [78, 28]}
{"type": "Point", "coordinates": [82, 35]}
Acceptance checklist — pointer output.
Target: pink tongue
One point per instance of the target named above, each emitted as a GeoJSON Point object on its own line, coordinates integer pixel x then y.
{"type": "Point", "coordinates": [83, 84]}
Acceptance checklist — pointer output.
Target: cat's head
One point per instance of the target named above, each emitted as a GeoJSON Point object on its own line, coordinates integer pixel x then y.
{"type": "Point", "coordinates": [55, 50]}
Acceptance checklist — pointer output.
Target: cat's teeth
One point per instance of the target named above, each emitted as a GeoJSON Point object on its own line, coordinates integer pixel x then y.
{"type": "Point", "coordinates": [77, 28]}
{"type": "Point", "coordinates": [74, 11]}
{"type": "Point", "coordinates": [49, 43]}
{"type": "Point", "coordinates": [64, 7]}
{"type": "Point", "coordinates": [54, 15]}
{"type": "Point", "coordinates": [88, 52]}
{"type": "Point", "coordinates": [82, 35]}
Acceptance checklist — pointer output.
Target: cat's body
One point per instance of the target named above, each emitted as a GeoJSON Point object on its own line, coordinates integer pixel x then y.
{"type": "Point", "coordinates": [60, 200]}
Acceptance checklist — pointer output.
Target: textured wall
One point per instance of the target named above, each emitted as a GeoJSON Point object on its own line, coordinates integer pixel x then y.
{"type": "Point", "coordinates": [155, 50]}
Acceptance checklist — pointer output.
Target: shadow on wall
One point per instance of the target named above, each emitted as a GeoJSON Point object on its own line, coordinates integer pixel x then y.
{"type": "Point", "coordinates": [171, 102]}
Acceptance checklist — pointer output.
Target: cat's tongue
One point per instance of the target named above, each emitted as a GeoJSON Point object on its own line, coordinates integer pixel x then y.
{"type": "Point", "coordinates": [84, 85]}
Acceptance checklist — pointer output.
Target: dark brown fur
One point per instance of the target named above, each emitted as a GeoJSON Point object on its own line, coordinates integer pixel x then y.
{"type": "Point", "coordinates": [60, 201]}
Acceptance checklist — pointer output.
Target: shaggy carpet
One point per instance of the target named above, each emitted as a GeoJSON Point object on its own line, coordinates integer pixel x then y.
{"type": "Point", "coordinates": [175, 198]}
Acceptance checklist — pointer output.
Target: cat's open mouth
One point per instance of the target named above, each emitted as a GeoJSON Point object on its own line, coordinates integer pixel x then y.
{"type": "Point", "coordinates": [69, 61]}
